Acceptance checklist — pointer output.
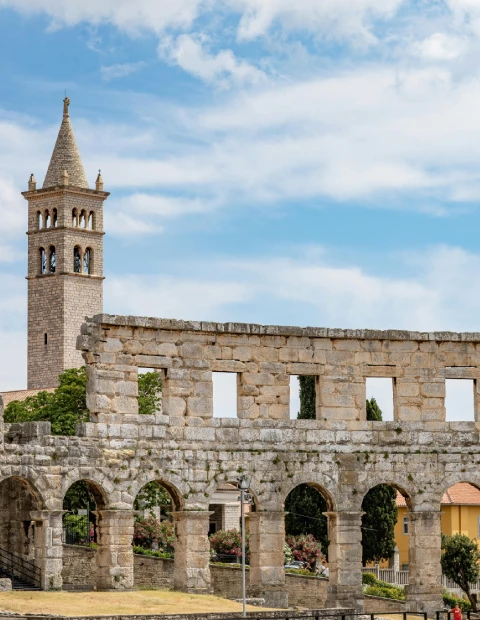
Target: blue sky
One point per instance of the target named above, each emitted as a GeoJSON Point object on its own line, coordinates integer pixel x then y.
{"type": "Point", "coordinates": [310, 163]}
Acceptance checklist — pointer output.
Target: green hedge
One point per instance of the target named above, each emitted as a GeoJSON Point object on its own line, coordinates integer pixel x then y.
{"type": "Point", "coordinates": [450, 601]}
{"type": "Point", "coordinates": [154, 554]}
{"type": "Point", "coordinates": [393, 592]}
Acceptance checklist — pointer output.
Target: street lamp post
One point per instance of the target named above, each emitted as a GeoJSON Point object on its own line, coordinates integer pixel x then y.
{"type": "Point", "coordinates": [243, 487]}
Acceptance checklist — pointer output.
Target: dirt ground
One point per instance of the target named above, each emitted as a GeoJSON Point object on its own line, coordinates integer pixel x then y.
{"type": "Point", "coordinates": [110, 603]}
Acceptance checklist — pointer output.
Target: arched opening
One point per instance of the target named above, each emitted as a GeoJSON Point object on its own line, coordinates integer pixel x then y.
{"type": "Point", "coordinates": [47, 219]}
{"type": "Point", "coordinates": [225, 524]}
{"type": "Point", "coordinates": [460, 531]}
{"type": "Point", "coordinates": [82, 504]}
{"type": "Point", "coordinates": [306, 529]}
{"type": "Point", "coordinates": [74, 218]}
{"type": "Point", "coordinates": [77, 260]}
{"type": "Point", "coordinates": [154, 526]}
{"type": "Point", "coordinates": [43, 261]}
{"type": "Point", "coordinates": [52, 262]}
{"type": "Point", "coordinates": [385, 538]}
{"type": "Point", "coordinates": [90, 220]}
{"type": "Point", "coordinates": [19, 501]}
{"type": "Point", "coordinates": [83, 219]}
{"type": "Point", "coordinates": [88, 261]}
{"type": "Point", "coordinates": [55, 218]}
{"type": "Point", "coordinates": [39, 220]}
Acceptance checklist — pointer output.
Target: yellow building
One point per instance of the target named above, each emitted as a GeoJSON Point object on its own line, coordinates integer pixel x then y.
{"type": "Point", "coordinates": [460, 514]}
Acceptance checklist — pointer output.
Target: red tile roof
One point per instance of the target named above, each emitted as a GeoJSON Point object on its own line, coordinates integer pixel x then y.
{"type": "Point", "coordinates": [8, 397]}
{"type": "Point", "coordinates": [461, 493]}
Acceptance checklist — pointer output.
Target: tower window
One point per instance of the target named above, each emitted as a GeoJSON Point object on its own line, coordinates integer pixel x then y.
{"type": "Point", "coordinates": [77, 260]}
{"type": "Point", "coordinates": [53, 259]}
{"type": "Point", "coordinates": [74, 218]}
{"type": "Point", "coordinates": [39, 220]}
{"type": "Point", "coordinates": [55, 218]}
{"type": "Point", "coordinates": [43, 261]}
{"type": "Point", "coordinates": [47, 219]}
{"type": "Point", "coordinates": [83, 220]}
{"type": "Point", "coordinates": [87, 261]}
{"type": "Point", "coordinates": [45, 339]}
{"type": "Point", "coordinates": [90, 220]}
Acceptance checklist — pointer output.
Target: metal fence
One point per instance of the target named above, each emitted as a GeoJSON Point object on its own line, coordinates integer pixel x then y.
{"type": "Point", "coordinates": [400, 578]}
{"type": "Point", "coordinates": [78, 532]}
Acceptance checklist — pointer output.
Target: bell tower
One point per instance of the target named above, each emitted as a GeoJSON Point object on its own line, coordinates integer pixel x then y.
{"type": "Point", "coordinates": [65, 259]}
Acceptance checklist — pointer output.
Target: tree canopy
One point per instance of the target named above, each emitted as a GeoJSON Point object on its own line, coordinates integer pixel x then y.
{"type": "Point", "coordinates": [461, 562]}
{"type": "Point", "coordinates": [66, 406]}
{"type": "Point", "coordinates": [381, 512]}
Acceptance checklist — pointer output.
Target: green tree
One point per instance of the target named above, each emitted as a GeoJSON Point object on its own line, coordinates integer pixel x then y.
{"type": "Point", "coordinates": [307, 398]}
{"type": "Point", "coordinates": [461, 562]}
{"type": "Point", "coordinates": [66, 406]}
{"type": "Point", "coordinates": [305, 507]}
{"type": "Point", "coordinates": [149, 393]}
{"type": "Point", "coordinates": [374, 413]}
{"type": "Point", "coordinates": [79, 496]}
{"type": "Point", "coordinates": [381, 512]}
{"type": "Point", "coordinates": [153, 495]}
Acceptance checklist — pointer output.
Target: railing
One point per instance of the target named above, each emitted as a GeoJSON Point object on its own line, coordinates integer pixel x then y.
{"type": "Point", "coordinates": [15, 566]}
{"type": "Point", "coordinates": [390, 575]}
{"type": "Point", "coordinates": [400, 578]}
{"type": "Point", "coordinates": [78, 532]}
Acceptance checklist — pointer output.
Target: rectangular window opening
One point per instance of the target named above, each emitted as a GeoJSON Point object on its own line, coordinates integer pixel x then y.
{"type": "Point", "coordinates": [405, 526]}
{"type": "Point", "coordinates": [45, 339]}
{"type": "Point", "coordinates": [150, 387]}
{"type": "Point", "coordinates": [224, 394]}
{"type": "Point", "coordinates": [459, 400]}
{"type": "Point", "coordinates": [380, 389]}
{"type": "Point", "coordinates": [302, 397]}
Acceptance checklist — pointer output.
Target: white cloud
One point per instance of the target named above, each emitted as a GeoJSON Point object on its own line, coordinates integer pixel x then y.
{"type": "Point", "coordinates": [132, 17]}
{"type": "Point", "coordinates": [440, 290]}
{"type": "Point", "coordinates": [223, 68]}
{"type": "Point", "coordinates": [440, 46]}
{"type": "Point", "coordinates": [113, 72]}
{"type": "Point", "coordinates": [330, 18]}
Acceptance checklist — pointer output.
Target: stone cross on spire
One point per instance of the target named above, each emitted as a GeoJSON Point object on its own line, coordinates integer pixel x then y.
{"type": "Point", "coordinates": [65, 156]}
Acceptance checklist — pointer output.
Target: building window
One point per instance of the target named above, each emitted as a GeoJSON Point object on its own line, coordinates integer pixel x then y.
{"type": "Point", "coordinates": [45, 339]}
{"type": "Point", "coordinates": [39, 220]}
{"type": "Point", "coordinates": [43, 261]}
{"type": "Point", "coordinates": [90, 220]}
{"type": "Point", "coordinates": [55, 218]}
{"type": "Point", "coordinates": [74, 218]}
{"type": "Point", "coordinates": [87, 261]}
{"type": "Point", "coordinates": [77, 260]}
{"type": "Point", "coordinates": [47, 219]}
{"type": "Point", "coordinates": [405, 525]}
{"type": "Point", "coordinates": [83, 220]}
{"type": "Point", "coordinates": [53, 259]}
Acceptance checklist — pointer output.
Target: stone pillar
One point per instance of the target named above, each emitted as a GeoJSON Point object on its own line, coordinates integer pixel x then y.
{"type": "Point", "coordinates": [267, 574]}
{"type": "Point", "coordinates": [192, 551]}
{"type": "Point", "coordinates": [419, 398]}
{"type": "Point", "coordinates": [341, 398]}
{"type": "Point", "coordinates": [115, 551]}
{"type": "Point", "coordinates": [345, 560]}
{"type": "Point", "coordinates": [48, 547]}
{"type": "Point", "coordinates": [424, 592]}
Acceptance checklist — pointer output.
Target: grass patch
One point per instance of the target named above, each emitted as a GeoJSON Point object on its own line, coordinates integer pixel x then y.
{"type": "Point", "coordinates": [115, 603]}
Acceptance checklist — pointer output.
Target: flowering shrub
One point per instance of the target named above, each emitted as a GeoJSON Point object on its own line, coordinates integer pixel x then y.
{"type": "Point", "coordinates": [228, 542]}
{"type": "Point", "coordinates": [149, 531]}
{"type": "Point", "coordinates": [287, 554]}
{"type": "Point", "coordinates": [305, 549]}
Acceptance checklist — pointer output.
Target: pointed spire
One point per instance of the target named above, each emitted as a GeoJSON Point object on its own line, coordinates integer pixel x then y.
{"type": "Point", "coordinates": [99, 182]}
{"type": "Point", "coordinates": [65, 156]}
{"type": "Point", "coordinates": [32, 183]}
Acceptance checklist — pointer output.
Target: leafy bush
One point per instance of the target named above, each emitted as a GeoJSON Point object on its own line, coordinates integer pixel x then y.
{"type": "Point", "coordinates": [450, 601]}
{"type": "Point", "coordinates": [149, 531]}
{"type": "Point", "coordinates": [287, 554]}
{"type": "Point", "coordinates": [156, 554]}
{"type": "Point", "coordinates": [300, 571]}
{"type": "Point", "coordinates": [393, 592]}
{"type": "Point", "coordinates": [228, 542]}
{"type": "Point", "coordinates": [369, 579]}
{"type": "Point", "coordinates": [305, 549]}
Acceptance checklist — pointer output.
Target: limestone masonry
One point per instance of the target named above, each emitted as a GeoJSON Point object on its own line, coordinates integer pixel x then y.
{"type": "Point", "coordinates": [191, 452]}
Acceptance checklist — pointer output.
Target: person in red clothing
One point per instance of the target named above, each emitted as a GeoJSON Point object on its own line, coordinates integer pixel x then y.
{"type": "Point", "coordinates": [457, 612]}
